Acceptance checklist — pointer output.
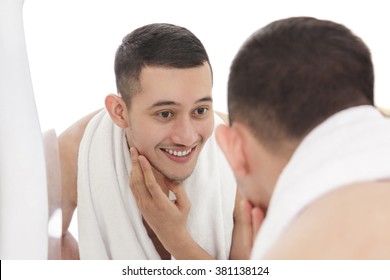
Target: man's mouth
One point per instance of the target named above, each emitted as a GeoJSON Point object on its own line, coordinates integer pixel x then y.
{"type": "Point", "coordinates": [180, 154]}
{"type": "Point", "coordinates": [175, 153]}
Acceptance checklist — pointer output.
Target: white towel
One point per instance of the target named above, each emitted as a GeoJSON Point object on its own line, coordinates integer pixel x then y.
{"type": "Point", "coordinates": [110, 223]}
{"type": "Point", "coordinates": [350, 147]}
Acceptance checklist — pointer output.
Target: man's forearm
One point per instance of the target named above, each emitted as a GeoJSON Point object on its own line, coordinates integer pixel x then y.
{"type": "Point", "coordinates": [187, 249]}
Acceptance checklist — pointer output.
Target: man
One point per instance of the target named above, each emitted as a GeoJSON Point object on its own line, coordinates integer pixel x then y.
{"type": "Point", "coordinates": [153, 145]}
{"type": "Point", "coordinates": [309, 149]}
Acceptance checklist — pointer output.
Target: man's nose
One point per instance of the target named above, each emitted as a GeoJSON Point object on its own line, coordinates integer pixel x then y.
{"type": "Point", "coordinates": [184, 132]}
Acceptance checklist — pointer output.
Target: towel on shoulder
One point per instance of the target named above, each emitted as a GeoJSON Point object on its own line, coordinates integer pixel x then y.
{"type": "Point", "coordinates": [350, 147]}
{"type": "Point", "coordinates": [110, 223]}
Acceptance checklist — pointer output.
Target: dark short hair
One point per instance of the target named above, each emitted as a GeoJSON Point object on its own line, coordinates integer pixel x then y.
{"type": "Point", "coordinates": [159, 44]}
{"type": "Point", "coordinates": [294, 73]}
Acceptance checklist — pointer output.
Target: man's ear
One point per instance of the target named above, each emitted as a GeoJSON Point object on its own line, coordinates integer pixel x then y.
{"type": "Point", "coordinates": [117, 109]}
{"type": "Point", "coordinates": [231, 142]}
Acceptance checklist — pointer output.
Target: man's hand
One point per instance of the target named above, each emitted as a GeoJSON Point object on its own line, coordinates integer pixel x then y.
{"type": "Point", "coordinates": [167, 218]}
{"type": "Point", "coordinates": [252, 218]}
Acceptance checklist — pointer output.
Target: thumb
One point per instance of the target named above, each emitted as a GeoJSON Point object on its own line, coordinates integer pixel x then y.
{"type": "Point", "coordinates": [258, 216]}
{"type": "Point", "coordinates": [246, 216]}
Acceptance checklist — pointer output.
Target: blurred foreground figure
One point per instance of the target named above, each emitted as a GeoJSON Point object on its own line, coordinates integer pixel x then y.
{"type": "Point", "coordinates": [309, 149]}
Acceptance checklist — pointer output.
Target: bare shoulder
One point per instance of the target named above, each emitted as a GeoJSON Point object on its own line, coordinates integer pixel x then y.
{"type": "Point", "coordinates": [352, 222]}
{"type": "Point", "coordinates": [76, 131]}
{"type": "Point", "coordinates": [69, 142]}
{"type": "Point", "coordinates": [223, 116]}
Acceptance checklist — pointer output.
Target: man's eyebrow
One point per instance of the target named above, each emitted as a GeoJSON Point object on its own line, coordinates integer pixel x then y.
{"type": "Point", "coordinates": [172, 103]}
{"type": "Point", "coordinates": [163, 103]}
{"type": "Point", "coordinates": [205, 99]}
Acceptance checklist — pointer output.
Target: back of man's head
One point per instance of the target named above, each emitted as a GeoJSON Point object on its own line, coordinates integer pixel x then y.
{"type": "Point", "coordinates": [293, 74]}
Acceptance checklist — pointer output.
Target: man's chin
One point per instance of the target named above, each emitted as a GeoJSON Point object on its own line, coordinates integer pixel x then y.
{"type": "Point", "coordinates": [175, 178]}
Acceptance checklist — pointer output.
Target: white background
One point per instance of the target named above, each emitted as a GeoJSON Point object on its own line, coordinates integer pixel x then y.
{"type": "Point", "coordinates": [71, 43]}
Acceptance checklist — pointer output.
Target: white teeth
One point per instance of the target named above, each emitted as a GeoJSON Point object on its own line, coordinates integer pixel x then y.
{"type": "Point", "coordinates": [178, 153]}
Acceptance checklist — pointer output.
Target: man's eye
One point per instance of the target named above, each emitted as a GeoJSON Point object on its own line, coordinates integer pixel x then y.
{"type": "Point", "coordinates": [201, 111]}
{"type": "Point", "coordinates": [165, 114]}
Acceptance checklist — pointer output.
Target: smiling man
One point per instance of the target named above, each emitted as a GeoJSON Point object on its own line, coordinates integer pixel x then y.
{"type": "Point", "coordinates": [176, 105]}
{"type": "Point", "coordinates": [146, 173]}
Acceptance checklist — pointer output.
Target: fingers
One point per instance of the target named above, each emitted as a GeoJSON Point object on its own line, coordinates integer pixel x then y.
{"type": "Point", "coordinates": [142, 178]}
{"type": "Point", "coordinates": [147, 191]}
{"type": "Point", "coordinates": [150, 181]}
{"type": "Point", "coordinates": [257, 219]}
{"type": "Point", "coordinates": [137, 184]}
{"type": "Point", "coordinates": [253, 217]}
{"type": "Point", "coordinates": [246, 209]}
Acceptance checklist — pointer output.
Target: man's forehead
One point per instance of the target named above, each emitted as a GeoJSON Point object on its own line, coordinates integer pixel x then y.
{"type": "Point", "coordinates": [149, 70]}
{"type": "Point", "coordinates": [159, 86]}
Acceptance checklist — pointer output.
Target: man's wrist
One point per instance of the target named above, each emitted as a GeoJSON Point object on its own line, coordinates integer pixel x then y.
{"type": "Point", "coordinates": [185, 248]}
